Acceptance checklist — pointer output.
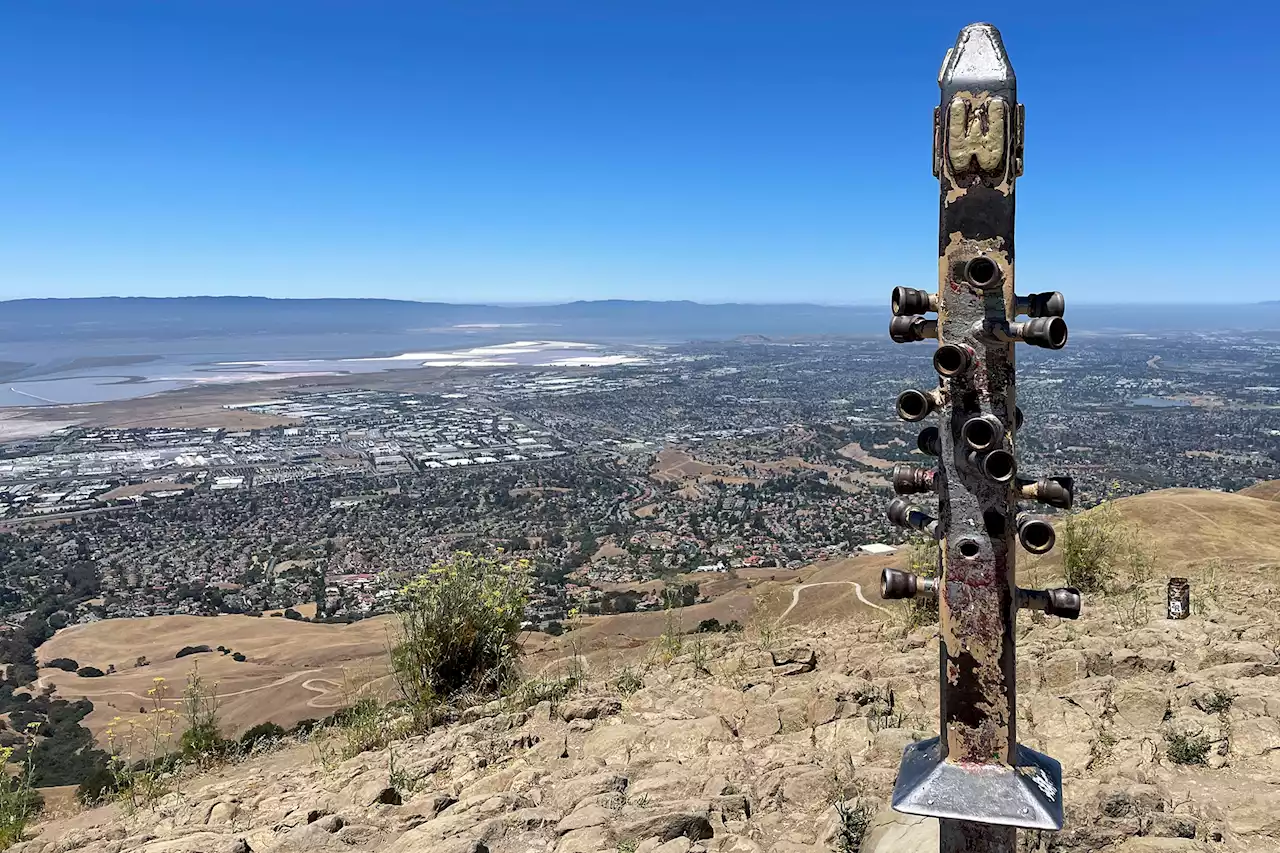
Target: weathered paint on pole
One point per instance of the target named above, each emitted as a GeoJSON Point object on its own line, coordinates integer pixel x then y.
{"type": "Point", "coordinates": [975, 776]}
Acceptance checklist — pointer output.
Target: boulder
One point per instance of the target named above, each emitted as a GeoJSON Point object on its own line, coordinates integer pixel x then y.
{"type": "Point", "coordinates": [590, 709]}
{"type": "Point", "coordinates": [668, 823]}
{"type": "Point", "coordinates": [894, 832]}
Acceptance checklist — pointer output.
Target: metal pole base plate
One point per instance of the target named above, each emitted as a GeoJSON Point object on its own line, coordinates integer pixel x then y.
{"type": "Point", "coordinates": [1027, 795]}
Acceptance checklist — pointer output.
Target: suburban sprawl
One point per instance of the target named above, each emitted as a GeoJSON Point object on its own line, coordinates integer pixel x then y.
{"type": "Point", "coordinates": [697, 459]}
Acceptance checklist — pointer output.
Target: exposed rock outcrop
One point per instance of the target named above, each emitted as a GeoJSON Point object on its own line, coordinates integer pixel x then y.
{"type": "Point", "coordinates": [749, 748]}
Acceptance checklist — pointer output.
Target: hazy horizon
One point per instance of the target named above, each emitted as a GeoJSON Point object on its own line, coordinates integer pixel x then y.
{"type": "Point", "coordinates": [869, 303]}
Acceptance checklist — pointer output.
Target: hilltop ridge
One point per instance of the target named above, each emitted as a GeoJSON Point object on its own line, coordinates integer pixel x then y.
{"type": "Point", "coordinates": [1168, 732]}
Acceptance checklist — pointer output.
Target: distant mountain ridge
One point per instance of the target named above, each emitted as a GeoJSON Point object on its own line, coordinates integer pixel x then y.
{"type": "Point", "coordinates": [173, 318]}
{"type": "Point", "coordinates": [192, 316]}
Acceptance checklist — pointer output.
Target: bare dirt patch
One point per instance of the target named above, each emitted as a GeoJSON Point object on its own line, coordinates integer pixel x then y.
{"type": "Point", "coordinates": [855, 452]}
{"type": "Point", "coordinates": [144, 488]}
{"type": "Point", "coordinates": [608, 550]}
{"type": "Point", "coordinates": [673, 465]}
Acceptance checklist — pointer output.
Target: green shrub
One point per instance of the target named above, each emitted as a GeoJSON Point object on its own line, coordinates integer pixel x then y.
{"type": "Point", "coordinates": [1098, 547]}
{"type": "Point", "coordinates": [1218, 702]}
{"type": "Point", "coordinates": [714, 626]}
{"type": "Point", "coordinates": [90, 672]}
{"type": "Point", "coordinates": [263, 732]}
{"type": "Point", "coordinates": [201, 740]}
{"type": "Point", "coordinates": [458, 625]}
{"type": "Point", "coordinates": [627, 681]}
{"type": "Point", "coordinates": [65, 664]}
{"type": "Point", "coordinates": [19, 800]}
{"type": "Point", "coordinates": [551, 690]}
{"type": "Point", "coordinates": [1184, 749]}
{"type": "Point", "coordinates": [96, 787]}
{"type": "Point", "coordinates": [304, 727]}
{"type": "Point", "coordinates": [855, 819]}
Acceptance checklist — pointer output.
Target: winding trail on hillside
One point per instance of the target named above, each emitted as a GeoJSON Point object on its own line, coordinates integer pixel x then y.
{"type": "Point", "coordinates": [857, 588]}
{"type": "Point", "coordinates": [335, 692]}
{"type": "Point", "coordinates": [40, 685]}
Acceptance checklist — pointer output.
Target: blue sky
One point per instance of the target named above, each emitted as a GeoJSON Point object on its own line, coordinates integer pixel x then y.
{"type": "Point", "coordinates": [539, 151]}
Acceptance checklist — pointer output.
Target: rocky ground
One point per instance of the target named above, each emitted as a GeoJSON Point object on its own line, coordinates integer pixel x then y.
{"type": "Point", "coordinates": [748, 744]}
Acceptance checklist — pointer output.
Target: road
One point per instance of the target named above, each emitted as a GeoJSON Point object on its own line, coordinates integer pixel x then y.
{"type": "Point", "coordinates": [857, 588]}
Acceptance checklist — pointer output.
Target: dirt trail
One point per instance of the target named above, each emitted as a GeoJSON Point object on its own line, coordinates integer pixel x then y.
{"type": "Point", "coordinates": [857, 588]}
{"type": "Point", "coordinates": [279, 681]}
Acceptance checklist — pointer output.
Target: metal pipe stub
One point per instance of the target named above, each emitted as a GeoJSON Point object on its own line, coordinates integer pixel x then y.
{"type": "Point", "coordinates": [909, 300]}
{"type": "Point", "coordinates": [982, 272]}
{"type": "Point", "coordinates": [913, 479]}
{"type": "Point", "coordinates": [906, 514]}
{"type": "Point", "coordinates": [953, 360]}
{"type": "Point", "coordinates": [914, 405]}
{"type": "Point", "coordinates": [1035, 534]}
{"type": "Point", "coordinates": [928, 441]}
{"type": "Point", "coordinates": [905, 330]}
{"type": "Point", "coordinates": [983, 432]}
{"type": "Point", "coordinates": [1064, 601]}
{"type": "Point", "coordinates": [1050, 304]}
{"type": "Point", "coordinates": [1044, 332]}
{"type": "Point", "coordinates": [1054, 491]}
{"type": "Point", "coordinates": [897, 584]}
{"type": "Point", "coordinates": [996, 465]}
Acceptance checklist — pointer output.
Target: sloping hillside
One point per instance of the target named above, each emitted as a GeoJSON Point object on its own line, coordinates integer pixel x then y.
{"type": "Point", "coordinates": [1192, 532]}
{"type": "Point", "coordinates": [1168, 732]}
{"type": "Point", "coordinates": [1268, 491]}
{"type": "Point", "coordinates": [292, 670]}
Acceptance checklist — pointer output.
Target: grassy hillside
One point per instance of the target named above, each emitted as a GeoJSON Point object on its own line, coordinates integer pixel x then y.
{"type": "Point", "coordinates": [1268, 491]}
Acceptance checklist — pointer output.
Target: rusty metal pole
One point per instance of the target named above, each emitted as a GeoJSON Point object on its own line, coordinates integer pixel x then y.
{"type": "Point", "coordinates": [975, 776]}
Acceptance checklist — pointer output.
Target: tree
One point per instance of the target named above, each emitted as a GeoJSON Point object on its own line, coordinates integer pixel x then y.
{"type": "Point", "coordinates": [317, 591]}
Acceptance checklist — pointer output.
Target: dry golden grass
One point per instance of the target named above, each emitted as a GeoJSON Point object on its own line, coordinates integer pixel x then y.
{"type": "Point", "coordinates": [1185, 528]}
{"type": "Point", "coordinates": [1268, 491]}
{"type": "Point", "coordinates": [672, 465]}
{"type": "Point", "coordinates": [294, 671]}
{"type": "Point", "coordinates": [855, 452]}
